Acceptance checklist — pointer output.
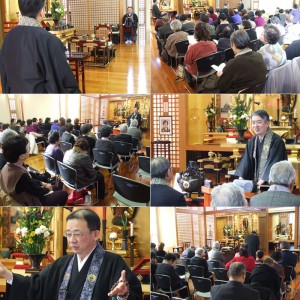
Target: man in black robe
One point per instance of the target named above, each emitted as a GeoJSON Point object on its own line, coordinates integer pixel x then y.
{"type": "Point", "coordinates": [135, 116]}
{"type": "Point", "coordinates": [262, 151]}
{"type": "Point", "coordinates": [252, 240]}
{"type": "Point", "coordinates": [32, 59]}
{"type": "Point", "coordinates": [90, 274]}
{"type": "Point", "coordinates": [130, 20]}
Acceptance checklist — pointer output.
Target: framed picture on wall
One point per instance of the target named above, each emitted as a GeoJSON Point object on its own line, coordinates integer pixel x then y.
{"type": "Point", "coordinates": [165, 125]}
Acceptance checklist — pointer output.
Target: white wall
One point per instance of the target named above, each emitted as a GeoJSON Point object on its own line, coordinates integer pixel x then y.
{"type": "Point", "coordinates": [53, 106]}
{"type": "Point", "coordinates": [4, 109]}
{"type": "Point", "coordinates": [270, 6]}
{"type": "Point", "coordinates": [164, 229]}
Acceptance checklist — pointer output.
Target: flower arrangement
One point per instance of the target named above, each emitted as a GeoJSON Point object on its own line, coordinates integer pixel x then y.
{"type": "Point", "coordinates": [113, 236]}
{"type": "Point", "coordinates": [57, 10]}
{"type": "Point", "coordinates": [33, 229]}
{"type": "Point", "coordinates": [210, 110]}
{"type": "Point", "coordinates": [239, 113]}
{"type": "Point", "coordinates": [122, 219]}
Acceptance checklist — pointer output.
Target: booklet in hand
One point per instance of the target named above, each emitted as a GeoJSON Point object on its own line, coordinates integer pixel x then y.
{"type": "Point", "coordinates": [218, 68]}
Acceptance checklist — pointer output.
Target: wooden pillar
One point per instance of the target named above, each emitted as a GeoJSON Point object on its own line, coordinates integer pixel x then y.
{"type": "Point", "coordinates": [58, 232]}
{"type": "Point", "coordinates": [183, 121]}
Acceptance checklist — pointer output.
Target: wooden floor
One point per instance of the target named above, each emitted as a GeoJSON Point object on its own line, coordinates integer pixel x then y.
{"type": "Point", "coordinates": [163, 76]}
{"type": "Point", "coordinates": [127, 73]}
{"type": "Point", "coordinates": [36, 162]}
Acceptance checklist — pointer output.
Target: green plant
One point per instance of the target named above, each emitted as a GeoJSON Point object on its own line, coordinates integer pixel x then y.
{"type": "Point", "coordinates": [57, 10]}
{"type": "Point", "coordinates": [239, 112]}
{"type": "Point", "coordinates": [33, 229]}
{"type": "Point", "coordinates": [227, 230]}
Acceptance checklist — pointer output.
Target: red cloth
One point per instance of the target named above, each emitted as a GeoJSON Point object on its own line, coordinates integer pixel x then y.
{"type": "Point", "coordinates": [201, 49]}
{"type": "Point", "coordinates": [249, 262]}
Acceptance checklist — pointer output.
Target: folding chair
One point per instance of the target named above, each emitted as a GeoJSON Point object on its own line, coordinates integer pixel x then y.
{"type": "Point", "coordinates": [221, 273]}
{"type": "Point", "coordinates": [144, 166]}
{"type": "Point", "coordinates": [65, 146]}
{"type": "Point", "coordinates": [50, 167]}
{"type": "Point", "coordinates": [202, 287]}
{"type": "Point", "coordinates": [181, 48]}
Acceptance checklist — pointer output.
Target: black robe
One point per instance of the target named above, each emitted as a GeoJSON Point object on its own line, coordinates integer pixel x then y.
{"type": "Point", "coordinates": [33, 61]}
{"type": "Point", "coordinates": [246, 167]}
{"type": "Point", "coordinates": [45, 285]}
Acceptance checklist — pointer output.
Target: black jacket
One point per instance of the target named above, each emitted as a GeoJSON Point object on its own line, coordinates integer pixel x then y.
{"type": "Point", "coordinates": [164, 195]}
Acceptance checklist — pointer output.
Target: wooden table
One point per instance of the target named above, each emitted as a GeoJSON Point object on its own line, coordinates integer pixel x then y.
{"type": "Point", "coordinates": [77, 59]}
{"type": "Point", "coordinates": [207, 195]}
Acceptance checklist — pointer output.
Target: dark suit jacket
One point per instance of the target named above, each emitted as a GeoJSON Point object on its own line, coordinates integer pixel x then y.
{"type": "Point", "coordinates": [252, 240]}
{"type": "Point", "coordinates": [164, 195]}
{"type": "Point", "coordinates": [233, 290]}
{"type": "Point", "coordinates": [137, 117]}
{"type": "Point", "coordinates": [164, 31]}
{"type": "Point", "coordinates": [167, 269]}
{"type": "Point", "coordinates": [288, 258]}
{"type": "Point", "coordinates": [275, 198]}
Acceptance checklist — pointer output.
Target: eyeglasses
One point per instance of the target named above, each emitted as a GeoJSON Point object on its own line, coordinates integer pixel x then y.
{"type": "Point", "coordinates": [76, 234]}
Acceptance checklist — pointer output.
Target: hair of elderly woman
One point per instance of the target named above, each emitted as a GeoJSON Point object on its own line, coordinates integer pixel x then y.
{"type": "Point", "coordinates": [134, 123]}
{"type": "Point", "coordinates": [227, 32]}
{"type": "Point", "coordinates": [123, 128]}
{"type": "Point", "coordinates": [216, 245]}
{"type": "Point", "coordinates": [199, 251]}
{"type": "Point", "coordinates": [159, 167]}
{"type": "Point", "coordinates": [246, 24]}
{"type": "Point", "coordinates": [13, 147]}
{"type": "Point", "coordinates": [201, 32]}
{"type": "Point", "coordinates": [243, 252]}
{"type": "Point", "coordinates": [271, 34]}
{"type": "Point", "coordinates": [262, 114]}
{"type": "Point", "coordinates": [228, 194]}
{"type": "Point", "coordinates": [6, 134]}
{"type": "Point", "coordinates": [105, 131]}
{"type": "Point", "coordinates": [82, 144]}
{"type": "Point", "coordinates": [240, 39]}
{"type": "Point", "coordinates": [53, 136]}
{"type": "Point", "coordinates": [282, 173]}
{"type": "Point", "coordinates": [176, 25]}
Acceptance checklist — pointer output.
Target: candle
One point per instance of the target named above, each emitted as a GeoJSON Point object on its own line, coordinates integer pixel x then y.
{"type": "Point", "coordinates": [295, 113]}
{"type": "Point", "coordinates": [277, 103]}
{"type": "Point", "coordinates": [104, 213]}
{"type": "Point", "coordinates": [131, 228]}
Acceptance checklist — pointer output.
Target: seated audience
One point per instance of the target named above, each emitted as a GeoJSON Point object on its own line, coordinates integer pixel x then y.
{"type": "Point", "coordinates": [199, 260]}
{"type": "Point", "coordinates": [161, 252]}
{"type": "Point", "coordinates": [276, 256]}
{"type": "Point", "coordinates": [163, 33]}
{"type": "Point", "coordinates": [76, 124]}
{"type": "Point", "coordinates": [216, 255]}
{"type": "Point", "coordinates": [153, 265]}
{"type": "Point", "coordinates": [236, 18]}
{"type": "Point", "coordinates": [153, 248]}
{"type": "Point", "coordinates": [189, 252]}
{"type": "Point", "coordinates": [295, 13]}
{"type": "Point", "coordinates": [53, 149]}
{"type": "Point", "coordinates": [265, 275]}
{"type": "Point", "coordinates": [47, 124]}
{"type": "Point", "coordinates": [5, 135]}
{"type": "Point", "coordinates": [235, 288]}
{"type": "Point", "coordinates": [62, 126]}
{"type": "Point", "coordinates": [282, 179]}
{"type": "Point", "coordinates": [161, 192]}
{"type": "Point", "coordinates": [276, 22]}
{"type": "Point", "coordinates": [168, 268]}
{"type": "Point", "coordinates": [223, 23]}
{"type": "Point", "coordinates": [55, 125]}
{"type": "Point", "coordinates": [16, 181]}
{"type": "Point", "coordinates": [85, 130]}
{"type": "Point", "coordinates": [244, 258]}
{"type": "Point", "coordinates": [202, 48]}
{"type": "Point", "coordinates": [259, 21]}
{"type": "Point", "coordinates": [247, 69]}
{"type": "Point", "coordinates": [186, 24]}
{"type": "Point", "coordinates": [123, 136]}
{"type": "Point", "coordinates": [205, 19]}
{"type": "Point", "coordinates": [259, 256]}
{"type": "Point", "coordinates": [175, 37]}
{"type": "Point", "coordinates": [293, 50]}
{"type": "Point", "coordinates": [67, 136]}
{"type": "Point", "coordinates": [91, 133]}
{"type": "Point", "coordinates": [211, 13]}
{"type": "Point", "coordinates": [274, 56]}
{"type": "Point", "coordinates": [104, 123]}
{"type": "Point", "coordinates": [224, 41]}
{"type": "Point", "coordinates": [247, 18]}
{"type": "Point", "coordinates": [228, 194]}
{"type": "Point", "coordinates": [246, 25]}
{"type": "Point", "coordinates": [78, 158]}
{"type": "Point", "coordinates": [33, 129]}
{"type": "Point", "coordinates": [135, 132]}
{"type": "Point", "coordinates": [104, 144]}
{"type": "Point", "coordinates": [288, 258]}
